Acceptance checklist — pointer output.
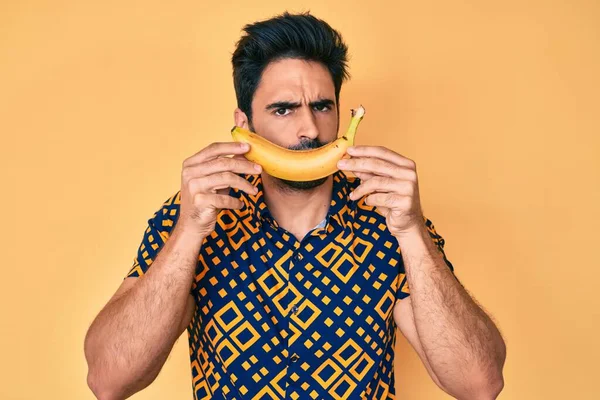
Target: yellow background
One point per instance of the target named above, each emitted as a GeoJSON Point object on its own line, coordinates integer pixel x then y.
{"type": "Point", "coordinates": [496, 101]}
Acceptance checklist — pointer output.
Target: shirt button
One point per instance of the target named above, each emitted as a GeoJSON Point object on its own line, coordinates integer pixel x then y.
{"type": "Point", "coordinates": [294, 358]}
{"type": "Point", "coordinates": [298, 257]}
{"type": "Point", "coordinates": [294, 309]}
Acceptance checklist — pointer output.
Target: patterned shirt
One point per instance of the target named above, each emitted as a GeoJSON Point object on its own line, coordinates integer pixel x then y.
{"type": "Point", "coordinates": [278, 318]}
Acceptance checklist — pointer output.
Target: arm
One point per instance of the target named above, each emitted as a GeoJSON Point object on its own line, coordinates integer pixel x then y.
{"type": "Point", "coordinates": [459, 344]}
{"type": "Point", "coordinates": [405, 321]}
{"type": "Point", "coordinates": [129, 341]}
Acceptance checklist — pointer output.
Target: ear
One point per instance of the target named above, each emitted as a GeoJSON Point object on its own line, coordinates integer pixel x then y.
{"type": "Point", "coordinates": [240, 118]}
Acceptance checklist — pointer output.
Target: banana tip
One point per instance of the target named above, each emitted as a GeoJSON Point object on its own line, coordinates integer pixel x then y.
{"type": "Point", "coordinates": [359, 112]}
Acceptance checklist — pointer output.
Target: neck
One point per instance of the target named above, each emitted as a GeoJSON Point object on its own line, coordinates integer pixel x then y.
{"type": "Point", "coordinates": [297, 211]}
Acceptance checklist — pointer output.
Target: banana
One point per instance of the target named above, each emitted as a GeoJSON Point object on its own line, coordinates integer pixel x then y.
{"type": "Point", "coordinates": [298, 165]}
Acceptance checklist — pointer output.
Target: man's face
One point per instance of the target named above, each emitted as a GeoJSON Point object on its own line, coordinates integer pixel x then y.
{"type": "Point", "coordinates": [294, 107]}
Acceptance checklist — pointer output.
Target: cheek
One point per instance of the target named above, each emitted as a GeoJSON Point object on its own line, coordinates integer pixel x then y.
{"type": "Point", "coordinates": [280, 131]}
{"type": "Point", "coordinates": [328, 125]}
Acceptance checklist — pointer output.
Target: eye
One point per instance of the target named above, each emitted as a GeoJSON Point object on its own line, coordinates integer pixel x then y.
{"type": "Point", "coordinates": [322, 108]}
{"type": "Point", "coordinates": [282, 111]}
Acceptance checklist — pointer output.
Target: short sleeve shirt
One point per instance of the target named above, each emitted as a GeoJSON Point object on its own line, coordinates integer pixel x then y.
{"type": "Point", "coordinates": [278, 318]}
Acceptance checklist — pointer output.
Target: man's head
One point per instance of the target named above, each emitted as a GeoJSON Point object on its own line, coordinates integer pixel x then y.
{"type": "Point", "coordinates": [288, 72]}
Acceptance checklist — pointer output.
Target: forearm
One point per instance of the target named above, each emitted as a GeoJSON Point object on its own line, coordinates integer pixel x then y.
{"type": "Point", "coordinates": [463, 346]}
{"type": "Point", "coordinates": [132, 336]}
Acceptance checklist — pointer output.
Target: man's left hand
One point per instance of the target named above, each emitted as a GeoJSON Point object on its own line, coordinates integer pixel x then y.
{"type": "Point", "coordinates": [390, 183]}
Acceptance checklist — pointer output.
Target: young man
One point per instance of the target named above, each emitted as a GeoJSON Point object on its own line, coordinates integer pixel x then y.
{"type": "Point", "coordinates": [293, 289]}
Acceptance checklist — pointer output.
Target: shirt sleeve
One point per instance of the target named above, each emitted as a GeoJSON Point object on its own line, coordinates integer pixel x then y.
{"type": "Point", "coordinates": [155, 236]}
{"type": "Point", "coordinates": [438, 240]}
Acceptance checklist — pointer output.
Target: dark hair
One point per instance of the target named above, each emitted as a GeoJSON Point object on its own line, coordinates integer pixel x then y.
{"type": "Point", "coordinates": [300, 36]}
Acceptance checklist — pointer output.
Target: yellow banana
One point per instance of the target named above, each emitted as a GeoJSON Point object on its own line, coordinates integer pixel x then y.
{"type": "Point", "coordinates": [298, 165]}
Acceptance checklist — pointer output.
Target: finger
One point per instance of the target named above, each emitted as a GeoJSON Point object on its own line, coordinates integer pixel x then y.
{"type": "Point", "coordinates": [383, 153]}
{"type": "Point", "coordinates": [383, 211]}
{"type": "Point", "coordinates": [215, 150]}
{"type": "Point", "coordinates": [363, 176]}
{"type": "Point", "coordinates": [239, 157]}
{"type": "Point", "coordinates": [382, 184]}
{"type": "Point", "coordinates": [387, 200]}
{"type": "Point", "coordinates": [219, 201]}
{"type": "Point", "coordinates": [212, 183]}
{"type": "Point", "coordinates": [377, 166]}
{"type": "Point", "coordinates": [221, 164]}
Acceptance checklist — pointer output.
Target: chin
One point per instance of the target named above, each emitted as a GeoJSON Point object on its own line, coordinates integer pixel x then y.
{"type": "Point", "coordinates": [306, 185]}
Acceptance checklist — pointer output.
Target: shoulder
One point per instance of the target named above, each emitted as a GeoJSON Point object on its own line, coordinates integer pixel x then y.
{"type": "Point", "coordinates": [165, 217]}
{"type": "Point", "coordinates": [170, 208]}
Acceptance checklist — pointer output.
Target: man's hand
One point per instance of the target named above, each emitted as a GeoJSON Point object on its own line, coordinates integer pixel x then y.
{"type": "Point", "coordinates": [390, 183]}
{"type": "Point", "coordinates": [205, 180]}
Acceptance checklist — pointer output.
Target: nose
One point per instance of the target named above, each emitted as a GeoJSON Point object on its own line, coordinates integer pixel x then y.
{"type": "Point", "coordinates": [308, 126]}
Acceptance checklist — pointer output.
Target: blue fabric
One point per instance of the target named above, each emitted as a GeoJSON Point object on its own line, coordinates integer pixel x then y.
{"type": "Point", "coordinates": [281, 318]}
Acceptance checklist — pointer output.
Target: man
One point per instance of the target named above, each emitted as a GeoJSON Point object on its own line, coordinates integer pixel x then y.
{"type": "Point", "coordinates": [293, 289]}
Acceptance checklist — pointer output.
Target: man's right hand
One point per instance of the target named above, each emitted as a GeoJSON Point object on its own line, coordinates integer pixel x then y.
{"type": "Point", "coordinates": [205, 181]}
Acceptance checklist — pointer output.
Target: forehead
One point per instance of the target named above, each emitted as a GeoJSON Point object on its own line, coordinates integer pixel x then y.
{"type": "Point", "coordinates": [292, 79]}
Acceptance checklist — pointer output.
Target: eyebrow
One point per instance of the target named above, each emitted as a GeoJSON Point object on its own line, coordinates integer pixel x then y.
{"type": "Point", "coordinates": [292, 105]}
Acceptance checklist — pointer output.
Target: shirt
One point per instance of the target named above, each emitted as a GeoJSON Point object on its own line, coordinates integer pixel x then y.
{"type": "Point", "coordinates": [278, 318]}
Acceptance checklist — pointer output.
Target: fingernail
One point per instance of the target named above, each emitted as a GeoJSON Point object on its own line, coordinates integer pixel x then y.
{"type": "Point", "coordinates": [342, 163]}
{"type": "Point", "coordinates": [257, 167]}
{"type": "Point", "coordinates": [350, 150]}
{"type": "Point", "coordinates": [244, 146]}
{"type": "Point", "coordinates": [351, 196]}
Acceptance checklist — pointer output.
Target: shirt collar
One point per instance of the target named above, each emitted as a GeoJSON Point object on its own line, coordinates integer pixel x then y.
{"type": "Point", "coordinates": [340, 208]}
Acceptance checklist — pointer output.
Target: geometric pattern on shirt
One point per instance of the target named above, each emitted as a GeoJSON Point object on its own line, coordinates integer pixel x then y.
{"type": "Point", "coordinates": [278, 318]}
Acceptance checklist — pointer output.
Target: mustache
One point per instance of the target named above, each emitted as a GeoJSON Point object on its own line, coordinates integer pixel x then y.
{"type": "Point", "coordinates": [307, 144]}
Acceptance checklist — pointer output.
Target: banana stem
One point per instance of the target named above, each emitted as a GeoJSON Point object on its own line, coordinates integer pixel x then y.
{"type": "Point", "coordinates": [357, 115]}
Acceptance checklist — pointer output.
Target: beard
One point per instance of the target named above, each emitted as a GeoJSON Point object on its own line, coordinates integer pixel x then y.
{"type": "Point", "coordinates": [308, 144]}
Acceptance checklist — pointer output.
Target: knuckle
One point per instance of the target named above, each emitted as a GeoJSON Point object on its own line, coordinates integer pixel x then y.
{"type": "Point", "coordinates": [223, 162]}
{"type": "Point", "coordinates": [227, 177]}
{"type": "Point", "coordinates": [240, 164]}
{"type": "Point", "coordinates": [186, 174]}
{"type": "Point", "coordinates": [215, 164]}
{"type": "Point", "coordinates": [195, 186]}
{"type": "Point", "coordinates": [380, 181]}
{"type": "Point", "coordinates": [394, 169]}
{"type": "Point", "coordinates": [219, 179]}
{"type": "Point", "coordinates": [214, 199]}
{"type": "Point", "coordinates": [198, 199]}
{"type": "Point", "coordinates": [371, 183]}
{"type": "Point", "coordinates": [389, 200]}
{"type": "Point", "coordinates": [206, 181]}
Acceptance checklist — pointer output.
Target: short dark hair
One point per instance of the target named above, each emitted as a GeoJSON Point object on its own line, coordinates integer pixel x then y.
{"type": "Point", "coordinates": [299, 36]}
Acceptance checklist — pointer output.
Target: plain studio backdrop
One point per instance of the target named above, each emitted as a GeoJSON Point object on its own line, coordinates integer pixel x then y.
{"type": "Point", "coordinates": [496, 101]}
